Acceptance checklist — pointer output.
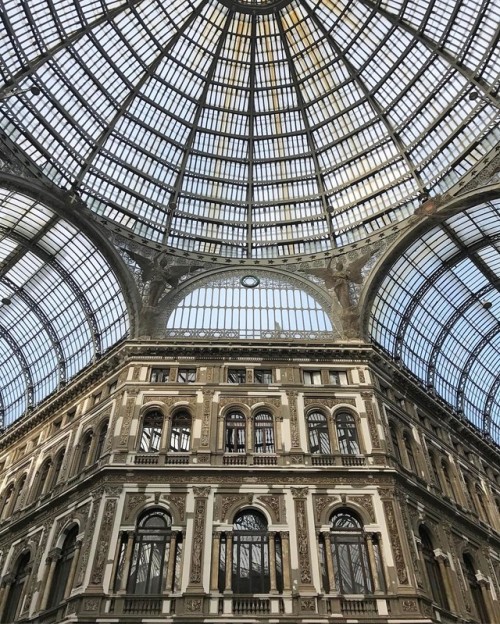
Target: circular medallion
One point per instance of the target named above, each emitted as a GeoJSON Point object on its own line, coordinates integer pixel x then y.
{"type": "Point", "coordinates": [249, 281]}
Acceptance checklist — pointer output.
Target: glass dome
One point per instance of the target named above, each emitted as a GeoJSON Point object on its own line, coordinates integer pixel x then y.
{"type": "Point", "coordinates": [437, 312]}
{"type": "Point", "coordinates": [252, 129]}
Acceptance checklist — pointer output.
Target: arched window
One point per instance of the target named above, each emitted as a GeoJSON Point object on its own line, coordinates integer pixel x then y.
{"type": "Point", "coordinates": [99, 449]}
{"type": "Point", "coordinates": [42, 478]}
{"type": "Point", "coordinates": [150, 553]}
{"type": "Point", "coordinates": [395, 442]}
{"type": "Point", "coordinates": [347, 434]}
{"type": "Point", "coordinates": [408, 442]}
{"type": "Point", "coordinates": [475, 589]}
{"type": "Point", "coordinates": [350, 555]}
{"type": "Point", "coordinates": [7, 497]}
{"type": "Point", "coordinates": [250, 574]}
{"type": "Point", "coordinates": [152, 426]}
{"type": "Point", "coordinates": [13, 604]}
{"type": "Point", "coordinates": [62, 569]}
{"type": "Point", "coordinates": [85, 450]}
{"type": "Point", "coordinates": [434, 578]}
{"type": "Point", "coordinates": [235, 433]}
{"type": "Point", "coordinates": [56, 473]}
{"type": "Point", "coordinates": [180, 435]}
{"type": "Point", "coordinates": [19, 490]}
{"type": "Point", "coordinates": [319, 439]}
{"type": "Point", "coordinates": [483, 514]}
{"type": "Point", "coordinates": [263, 433]}
{"type": "Point", "coordinates": [447, 479]}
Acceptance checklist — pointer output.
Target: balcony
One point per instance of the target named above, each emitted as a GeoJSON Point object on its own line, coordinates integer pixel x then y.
{"type": "Point", "coordinates": [177, 459]}
{"type": "Point", "coordinates": [263, 459]}
{"type": "Point", "coordinates": [234, 459]}
{"type": "Point", "coordinates": [249, 605]}
{"type": "Point", "coordinates": [146, 460]}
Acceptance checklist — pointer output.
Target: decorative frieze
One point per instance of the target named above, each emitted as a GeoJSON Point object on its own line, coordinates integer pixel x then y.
{"type": "Point", "coordinates": [302, 535]}
{"type": "Point", "coordinates": [275, 505]}
{"type": "Point", "coordinates": [321, 503]}
{"type": "Point", "coordinates": [328, 401]}
{"type": "Point", "coordinates": [294, 424]}
{"type": "Point", "coordinates": [127, 419]}
{"type": "Point", "coordinates": [366, 502]}
{"type": "Point", "coordinates": [207, 412]}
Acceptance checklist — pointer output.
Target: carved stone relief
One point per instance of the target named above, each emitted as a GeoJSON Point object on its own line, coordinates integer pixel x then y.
{"type": "Point", "coordinates": [224, 503]}
{"type": "Point", "coordinates": [246, 400]}
{"type": "Point", "coordinates": [276, 505]}
{"type": "Point", "coordinates": [328, 402]}
{"type": "Point", "coordinates": [320, 503]}
{"type": "Point", "coordinates": [178, 501]}
{"type": "Point", "coordinates": [365, 501]}
{"type": "Point", "coordinates": [372, 425]}
{"type": "Point", "coordinates": [397, 549]}
{"type": "Point", "coordinates": [127, 420]}
{"type": "Point", "coordinates": [302, 540]}
{"type": "Point", "coordinates": [133, 502]}
{"type": "Point", "coordinates": [200, 512]}
{"type": "Point", "coordinates": [294, 425]}
{"type": "Point", "coordinates": [104, 541]}
{"type": "Point", "coordinates": [207, 412]}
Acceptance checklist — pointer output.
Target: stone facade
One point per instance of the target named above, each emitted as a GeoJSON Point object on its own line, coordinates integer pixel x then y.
{"type": "Point", "coordinates": [203, 487]}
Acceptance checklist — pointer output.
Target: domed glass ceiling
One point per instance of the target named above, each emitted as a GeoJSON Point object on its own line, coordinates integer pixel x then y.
{"type": "Point", "coordinates": [61, 305]}
{"type": "Point", "coordinates": [252, 129]}
{"type": "Point", "coordinates": [438, 312]}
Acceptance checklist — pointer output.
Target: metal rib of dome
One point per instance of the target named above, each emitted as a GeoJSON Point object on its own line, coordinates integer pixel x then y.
{"type": "Point", "coordinates": [61, 305]}
{"type": "Point", "coordinates": [249, 134]}
{"type": "Point", "coordinates": [437, 311]}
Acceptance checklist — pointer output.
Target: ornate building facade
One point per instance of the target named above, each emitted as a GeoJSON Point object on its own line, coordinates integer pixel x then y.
{"type": "Point", "coordinates": [249, 312]}
{"type": "Point", "coordinates": [203, 483]}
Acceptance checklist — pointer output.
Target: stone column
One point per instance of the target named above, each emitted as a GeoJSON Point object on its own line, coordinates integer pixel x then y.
{"type": "Point", "coordinates": [51, 561]}
{"type": "Point", "coordinates": [122, 535]}
{"type": "Point", "coordinates": [7, 581]}
{"type": "Point", "coordinates": [214, 580]}
{"type": "Point", "coordinates": [229, 562]}
{"type": "Point", "coordinates": [198, 539]}
{"type": "Point", "coordinates": [285, 553]}
{"type": "Point", "coordinates": [272, 562]}
{"type": "Point", "coordinates": [127, 562]}
{"type": "Point", "coordinates": [443, 568]}
{"type": "Point", "coordinates": [171, 562]}
{"type": "Point", "coordinates": [329, 560]}
{"type": "Point", "coordinates": [72, 570]}
{"type": "Point", "coordinates": [372, 561]}
{"type": "Point", "coordinates": [485, 591]}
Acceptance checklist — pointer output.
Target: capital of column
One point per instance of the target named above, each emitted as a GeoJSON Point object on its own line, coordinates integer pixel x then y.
{"type": "Point", "coordinates": [441, 556]}
{"type": "Point", "coordinates": [482, 580]}
{"type": "Point", "coordinates": [54, 554]}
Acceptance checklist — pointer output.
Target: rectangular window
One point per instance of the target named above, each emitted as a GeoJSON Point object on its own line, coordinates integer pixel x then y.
{"type": "Point", "coordinates": [263, 375]}
{"type": "Point", "coordinates": [236, 375]}
{"type": "Point", "coordinates": [97, 398]}
{"type": "Point", "coordinates": [312, 378]}
{"type": "Point", "coordinates": [112, 387]}
{"type": "Point", "coordinates": [337, 378]}
{"type": "Point", "coordinates": [186, 375]}
{"type": "Point", "coordinates": [159, 375]}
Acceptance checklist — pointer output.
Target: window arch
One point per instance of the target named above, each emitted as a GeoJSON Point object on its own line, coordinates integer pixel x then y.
{"type": "Point", "coordinates": [13, 604]}
{"type": "Point", "coordinates": [152, 427]}
{"type": "Point", "coordinates": [21, 484]}
{"type": "Point", "coordinates": [350, 554]}
{"type": "Point", "coordinates": [42, 482]}
{"type": "Point", "coordinates": [59, 589]}
{"type": "Point", "coordinates": [394, 441]}
{"type": "Point", "coordinates": [58, 464]}
{"type": "Point", "coordinates": [319, 438]}
{"type": "Point", "coordinates": [180, 434]}
{"type": "Point", "coordinates": [7, 497]}
{"type": "Point", "coordinates": [263, 433]}
{"type": "Point", "coordinates": [250, 560]}
{"type": "Point", "coordinates": [150, 553]}
{"type": "Point", "coordinates": [101, 440]}
{"type": "Point", "coordinates": [475, 588]}
{"type": "Point", "coordinates": [85, 450]}
{"type": "Point", "coordinates": [235, 434]}
{"type": "Point", "coordinates": [408, 444]}
{"type": "Point", "coordinates": [434, 578]}
{"type": "Point", "coordinates": [347, 434]}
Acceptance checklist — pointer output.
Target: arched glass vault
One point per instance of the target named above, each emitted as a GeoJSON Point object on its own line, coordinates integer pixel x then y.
{"type": "Point", "coordinates": [437, 311]}
{"type": "Point", "coordinates": [252, 129]}
{"type": "Point", "coordinates": [61, 305]}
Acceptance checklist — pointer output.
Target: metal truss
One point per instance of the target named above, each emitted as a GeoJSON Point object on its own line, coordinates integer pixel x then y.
{"type": "Point", "coordinates": [23, 363]}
